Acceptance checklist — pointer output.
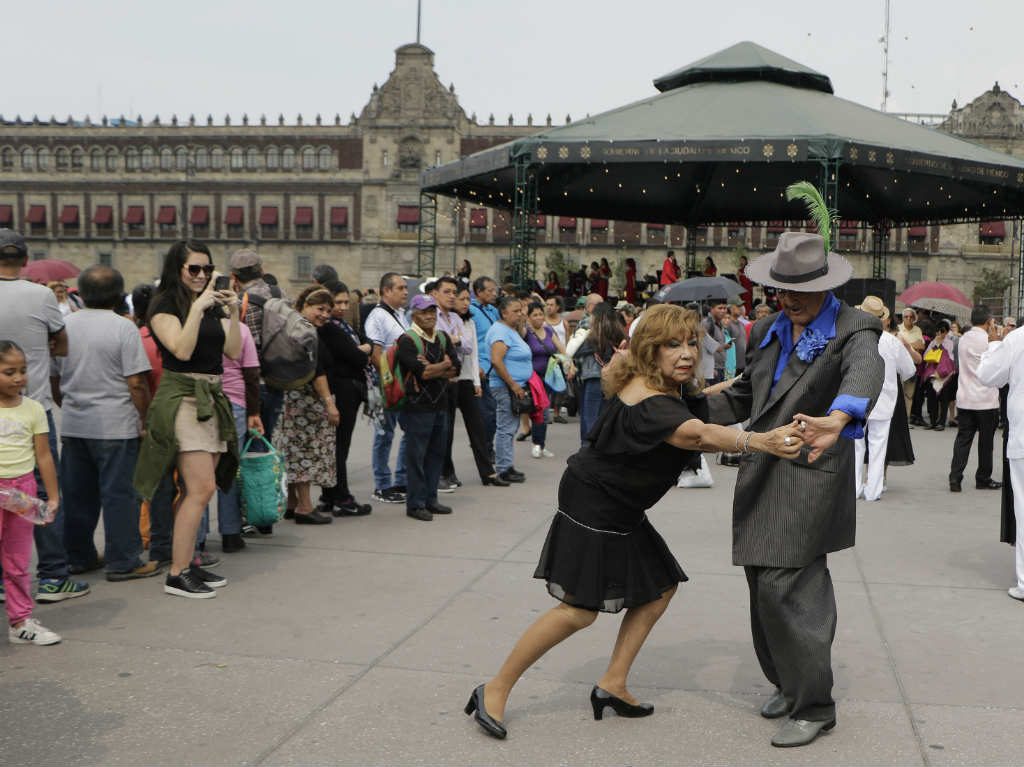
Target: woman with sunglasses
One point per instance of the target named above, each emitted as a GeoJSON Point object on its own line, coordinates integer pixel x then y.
{"type": "Point", "coordinates": [190, 424]}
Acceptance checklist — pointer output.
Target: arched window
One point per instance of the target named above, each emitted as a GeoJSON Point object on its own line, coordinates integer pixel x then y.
{"type": "Point", "coordinates": [217, 158]}
{"type": "Point", "coordinates": [43, 158]}
{"type": "Point", "coordinates": [111, 159]}
{"type": "Point", "coordinates": [252, 158]}
{"type": "Point", "coordinates": [308, 159]}
{"type": "Point", "coordinates": [237, 158]}
{"type": "Point", "coordinates": [273, 158]}
{"type": "Point", "coordinates": [202, 159]}
{"type": "Point", "coordinates": [7, 158]}
{"type": "Point", "coordinates": [63, 162]}
{"type": "Point", "coordinates": [323, 158]}
{"type": "Point", "coordinates": [148, 157]}
{"type": "Point", "coordinates": [131, 158]}
{"type": "Point", "coordinates": [166, 158]}
{"type": "Point", "coordinates": [77, 159]}
{"type": "Point", "coordinates": [181, 158]}
{"type": "Point", "coordinates": [288, 158]}
{"type": "Point", "coordinates": [28, 159]}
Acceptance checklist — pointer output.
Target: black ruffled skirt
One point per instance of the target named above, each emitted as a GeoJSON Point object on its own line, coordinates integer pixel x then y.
{"type": "Point", "coordinates": [606, 571]}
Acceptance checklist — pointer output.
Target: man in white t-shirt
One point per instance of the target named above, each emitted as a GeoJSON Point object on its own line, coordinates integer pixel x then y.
{"type": "Point", "coordinates": [30, 317]}
{"type": "Point", "coordinates": [104, 401]}
{"type": "Point", "coordinates": [383, 327]}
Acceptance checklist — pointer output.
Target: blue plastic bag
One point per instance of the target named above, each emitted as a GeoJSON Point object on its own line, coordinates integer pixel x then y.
{"type": "Point", "coordinates": [554, 378]}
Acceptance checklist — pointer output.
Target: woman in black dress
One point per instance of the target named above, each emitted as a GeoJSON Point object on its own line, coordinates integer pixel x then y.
{"type": "Point", "coordinates": [602, 554]}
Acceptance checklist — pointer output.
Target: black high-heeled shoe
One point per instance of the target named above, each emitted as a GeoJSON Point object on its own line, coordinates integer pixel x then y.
{"type": "Point", "coordinates": [521, 437]}
{"type": "Point", "coordinates": [600, 698]}
{"type": "Point", "coordinates": [490, 725]}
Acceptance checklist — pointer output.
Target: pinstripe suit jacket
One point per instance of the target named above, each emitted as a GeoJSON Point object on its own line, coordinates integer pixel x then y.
{"type": "Point", "coordinates": [787, 513]}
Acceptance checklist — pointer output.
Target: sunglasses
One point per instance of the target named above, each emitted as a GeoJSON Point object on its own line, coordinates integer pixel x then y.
{"type": "Point", "coordinates": [195, 269]}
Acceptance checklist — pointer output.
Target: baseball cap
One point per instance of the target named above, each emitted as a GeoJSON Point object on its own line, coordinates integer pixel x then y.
{"type": "Point", "coordinates": [244, 259]}
{"type": "Point", "coordinates": [12, 243]}
{"type": "Point", "coordinates": [420, 302]}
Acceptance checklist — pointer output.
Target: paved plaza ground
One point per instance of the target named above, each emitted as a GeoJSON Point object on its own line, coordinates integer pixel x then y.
{"type": "Point", "coordinates": [359, 643]}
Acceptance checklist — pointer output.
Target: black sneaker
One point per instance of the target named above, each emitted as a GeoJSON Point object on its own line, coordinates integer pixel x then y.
{"type": "Point", "coordinates": [211, 579]}
{"type": "Point", "coordinates": [421, 514]}
{"type": "Point", "coordinates": [510, 477]}
{"type": "Point", "coordinates": [439, 508]}
{"type": "Point", "coordinates": [352, 509]}
{"type": "Point", "coordinates": [389, 495]}
{"type": "Point", "coordinates": [231, 542]}
{"type": "Point", "coordinates": [454, 481]}
{"type": "Point", "coordinates": [444, 485]}
{"type": "Point", "coordinates": [185, 584]}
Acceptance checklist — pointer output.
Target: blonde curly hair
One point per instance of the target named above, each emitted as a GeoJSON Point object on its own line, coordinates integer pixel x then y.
{"type": "Point", "coordinates": [655, 328]}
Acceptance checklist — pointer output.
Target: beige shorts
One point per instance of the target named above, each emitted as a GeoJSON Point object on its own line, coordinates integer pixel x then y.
{"type": "Point", "coordinates": [195, 435]}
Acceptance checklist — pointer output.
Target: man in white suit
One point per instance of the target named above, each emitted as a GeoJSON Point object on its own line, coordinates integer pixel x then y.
{"type": "Point", "coordinates": [898, 362]}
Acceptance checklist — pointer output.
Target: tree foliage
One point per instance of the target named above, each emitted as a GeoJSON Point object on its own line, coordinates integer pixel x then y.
{"type": "Point", "coordinates": [991, 284]}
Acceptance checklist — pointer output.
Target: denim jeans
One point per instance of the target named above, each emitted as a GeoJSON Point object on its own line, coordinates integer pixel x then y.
{"type": "Point", "coordinates": [428, 437]}
{"type": "Point", "coordinates": [507, 426]}
{"type": "Point", "coordinates": [271, 402]}
{"type": "Point", "coordinates": [229, 510]}
{"type": "Point", "coordinates": [590, 405]}
{"type": "Point", "coordinates": [488, 414]}
{"type": "Point", "coordinates": [97, 474]}
{"type": "Point", "coordinates": [49, 539]}
{"type": "Point", "coordinates": [161, 519]}
{"type": "Point", "coordinates": [383, 436]}
{"type": "Point", "coordinates": [539, 431]}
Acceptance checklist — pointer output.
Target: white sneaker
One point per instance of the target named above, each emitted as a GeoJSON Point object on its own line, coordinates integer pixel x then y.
{"type": "Point", "coordinates": [32, 632]}
{"type": "Point", "coordinates": [536, 452]}
{"type": "Point", "coordinates": [547, 453]}
{"type": "Point", "coordinates": [1015, 591]}
{"type": "Point", "coordinates": [564, 412]}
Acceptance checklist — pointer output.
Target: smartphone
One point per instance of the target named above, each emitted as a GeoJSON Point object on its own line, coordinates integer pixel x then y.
{"type": "Point", "coordinates": [222, 283]}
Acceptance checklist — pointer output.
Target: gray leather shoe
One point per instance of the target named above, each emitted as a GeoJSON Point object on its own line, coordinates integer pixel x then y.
{"type": "Point", "coordinates": [775, 707]}
{"type": "Point", "coordinates": [800, 732]}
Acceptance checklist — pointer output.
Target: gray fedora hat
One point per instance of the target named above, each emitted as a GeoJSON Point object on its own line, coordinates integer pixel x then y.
{"type": "Point", "coordinates": [800, 263]}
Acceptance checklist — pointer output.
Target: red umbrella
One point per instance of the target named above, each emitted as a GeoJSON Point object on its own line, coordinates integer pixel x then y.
{"type": "Point", "coordinates": [48, 269]}
{"type": "Point", "coordinates": [939, 290]}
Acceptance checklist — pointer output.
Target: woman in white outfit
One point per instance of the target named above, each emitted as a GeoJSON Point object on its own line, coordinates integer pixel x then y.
{"type": "Point", "coordinates": [876, 431]}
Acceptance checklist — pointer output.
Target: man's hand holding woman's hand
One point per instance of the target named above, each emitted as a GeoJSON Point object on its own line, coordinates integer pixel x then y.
{"type": "Point", "coordinates": [784, 442]}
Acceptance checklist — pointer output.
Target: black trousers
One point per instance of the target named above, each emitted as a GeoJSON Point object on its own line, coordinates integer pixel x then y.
{"type": "Point", "coordinates": [348, 397]}
{"type": "Point", "coordinates": [918, 400]}
{"type": "Point", "coordinates": [938, 402]}
{"type": "Point", "coordinates": [793, 623]}
{"type": "Point", "coordinates": [462, 395]}
{"type": "Point", "coordinates": [982, 422]}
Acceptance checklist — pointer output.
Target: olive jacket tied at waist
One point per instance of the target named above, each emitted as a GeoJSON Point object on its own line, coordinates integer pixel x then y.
{"type": "Point", "coordinates": [160, 446]}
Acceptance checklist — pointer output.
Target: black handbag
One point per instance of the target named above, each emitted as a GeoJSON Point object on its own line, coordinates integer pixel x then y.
{"type": "Point", "coordinates": [521, 405]}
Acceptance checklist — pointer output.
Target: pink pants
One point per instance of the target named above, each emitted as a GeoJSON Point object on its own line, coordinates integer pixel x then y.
{"type": "Point", "coordinates": [16, 553]}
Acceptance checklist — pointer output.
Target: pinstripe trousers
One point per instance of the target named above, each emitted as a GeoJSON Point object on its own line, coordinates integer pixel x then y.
{"type": "Point", "coordinates": [793, 622]}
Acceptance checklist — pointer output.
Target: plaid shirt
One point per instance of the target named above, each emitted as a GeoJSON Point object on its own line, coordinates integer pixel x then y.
{"type": "Point", "coordinates": [253, 313]}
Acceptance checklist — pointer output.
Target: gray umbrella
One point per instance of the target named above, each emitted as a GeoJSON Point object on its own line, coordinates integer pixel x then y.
{"type": "Point", "coordinates": [699, 289]}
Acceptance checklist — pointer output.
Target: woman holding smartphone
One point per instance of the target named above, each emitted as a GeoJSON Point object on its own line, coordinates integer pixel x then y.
{"type": "Point", "coordinates": [190, 424]}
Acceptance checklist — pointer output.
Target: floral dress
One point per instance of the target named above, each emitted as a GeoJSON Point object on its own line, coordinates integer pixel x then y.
{"type": "Point", "coordinates": [304, 437]}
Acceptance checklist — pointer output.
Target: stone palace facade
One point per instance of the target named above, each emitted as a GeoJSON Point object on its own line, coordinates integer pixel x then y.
{"type": "Point", "coordinates": [119, 191]}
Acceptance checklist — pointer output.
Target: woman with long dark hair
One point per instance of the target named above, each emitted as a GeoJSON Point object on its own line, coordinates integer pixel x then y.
{"type": "Point", "coordinates": [604, 276]}
{"type": "Point", "coordinates": [190, 423]}
{"type": "Point", "coordinates": [602, 554]}
{"type": "Point", "coordinates": [605, 335]}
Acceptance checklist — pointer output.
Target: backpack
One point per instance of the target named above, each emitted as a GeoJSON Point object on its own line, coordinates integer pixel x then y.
{"type": "Point", "coordinates": [393, 381]}
{"type": "Point", "coordinates": [289, 341]}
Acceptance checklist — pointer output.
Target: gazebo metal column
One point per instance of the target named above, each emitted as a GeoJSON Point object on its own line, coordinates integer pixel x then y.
{"type": "Point", "coordinates": [426, 244]}
{"type": "Point", "coordinates": [830, 185]}
{"type": "Point", "coordinates": [523, 254]}
{"type": "Point", "coordinates": [880, 250]}
{"type": "Point", "coordinates": [1018, 227]}
{"type": "Point", "coordinates": [691, 250]}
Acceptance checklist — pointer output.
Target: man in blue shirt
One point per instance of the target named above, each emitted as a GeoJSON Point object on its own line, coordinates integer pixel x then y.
{"type": "Point", "coordinates": [815, 362]}
{"type": "Point", "coordinates": [484, 312]}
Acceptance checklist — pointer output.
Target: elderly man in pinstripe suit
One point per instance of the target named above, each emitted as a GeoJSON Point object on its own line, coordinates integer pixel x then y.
{"type": "Point", "coordinates": [817, 361]}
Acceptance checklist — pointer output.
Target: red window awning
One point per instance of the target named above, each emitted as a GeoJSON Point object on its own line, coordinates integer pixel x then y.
{"type": "Point", "coordinates": [304, 216]}
{"type": "Point", "coordinates": [540, 221]}
{"type": "Point", "coordinates": [339, 216]}
{"type": "Point", "coordinates": [234, 215]}
{"type": "Point", "coordinates": [655, 227]}
{"type": "Point", "coordinates": [478, 218]}
{"type": "Point", "coordinates": [917, 231]}
{"type": "Point", "coordinates": [567, 223]}
{"type": "Point", "coordinates": [200, 215]}
{"type": "Point", "coordinates": [598, 224]}
{"type": "Point", "coordinates": [136, 214]}
{"type": "Point", "coordinates": [408, 214]}
{"type": "Point", "coordinates": [992, 229]}
{"type": "Point", "coordinates": [268, 215]}
{"type": "Point", "coordinates": [167, 215]}
{"type": "Point", "coordinates": [848, 227]}
{"type": "Point", "coordinates": [69, 214]}
{"type": "Point", "coordinates": [776, 227]}
{"type": "Point", "coordinates": [6, 214]}
{"type": "Point", "coordinates": [104, 215]}
{"type": "Point", "coordinates": [36, 214]}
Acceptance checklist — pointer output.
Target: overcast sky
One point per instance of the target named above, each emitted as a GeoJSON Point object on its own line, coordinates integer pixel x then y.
{"type": "Point", "coordinates": [514, 56]}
